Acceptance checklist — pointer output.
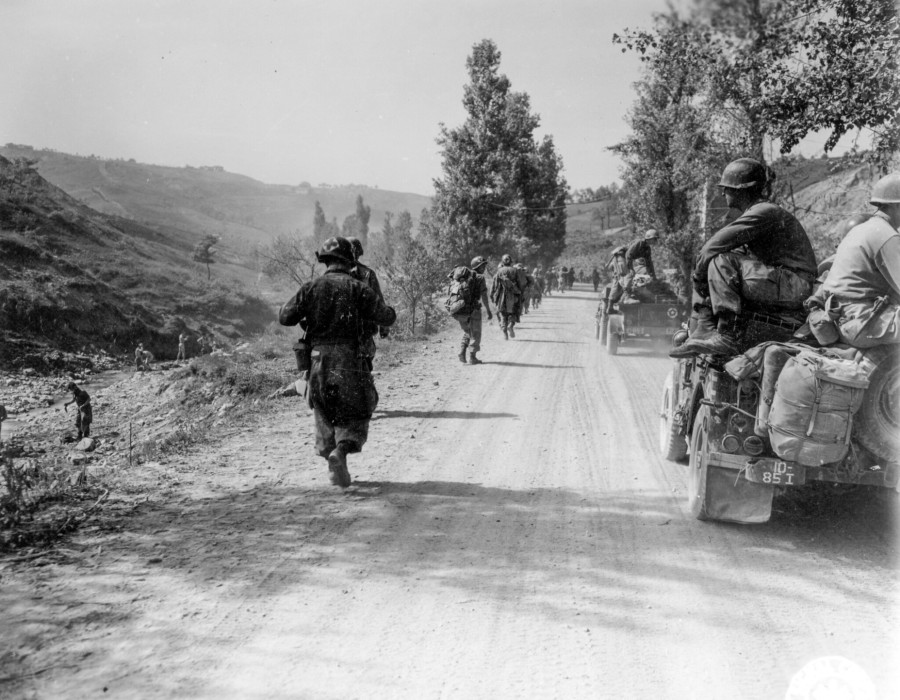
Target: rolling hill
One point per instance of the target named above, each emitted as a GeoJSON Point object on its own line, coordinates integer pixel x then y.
{"type": "Point", "coordinates": [73, 278]}
{"type": "Point", "coordinates": [207, 200]}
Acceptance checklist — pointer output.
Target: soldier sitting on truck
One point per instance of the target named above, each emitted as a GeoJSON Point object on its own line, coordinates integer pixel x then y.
{"type": "Point", "coordinates": [762, 260]}
{"type": "Point", "coordinates": [864, 279]}
{"type": "Point", "coordinates": [628, 262]}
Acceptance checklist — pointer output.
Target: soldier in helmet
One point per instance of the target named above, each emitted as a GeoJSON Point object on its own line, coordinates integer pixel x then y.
{"type": "Point", "coordinates": [469, 318]}
{"type": "Point", "coordinates": [506, 293]}
{"type": "Point", "coordinates": [628, 262]}
{"type": "Point", "coordinates": [367, 276]}
{"type": "Point", "coordinates": [340, 391]}
{"type": "Point", "coordinates": [763, 259]}
{"type": "Point", "coordinates": [864, 278]}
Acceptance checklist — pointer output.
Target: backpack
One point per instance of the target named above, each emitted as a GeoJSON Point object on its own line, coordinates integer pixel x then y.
{"type": "Point", "coordinates": [463, 291]}
{"type": "Point", "coordinates": [811, 416]}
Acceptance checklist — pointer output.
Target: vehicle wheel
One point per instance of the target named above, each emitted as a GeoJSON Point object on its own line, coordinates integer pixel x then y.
{"type": "Point", "coordinates": [878, 421]}
{"type": "Point", "coordinates": [603, 327]}
{"type": "Point", "coordinates": [672, 444]}
{"type": "Point", "coordinates": [612, 339]}
{"type": "Point", "coordinates": [699, 465]}
{"type": "Point", "coordinates": [719, 494]}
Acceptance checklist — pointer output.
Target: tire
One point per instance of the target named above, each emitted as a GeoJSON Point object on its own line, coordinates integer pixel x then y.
{"type": "Point", "coordinates": [877, 424]}
{"type": "Point", "coordinates": [719, 494]}
{"type": "Point", "coordinates": [612, 338]}
{"type": "Point", "coordinates": [603, 327]}
{"type": "Point", "coordinates": [672, 444]}
{"type": "Point", "coordinates": [699, 465]}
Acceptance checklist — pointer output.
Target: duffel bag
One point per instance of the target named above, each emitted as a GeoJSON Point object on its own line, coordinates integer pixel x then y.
{"type": "Point", "coordinates": [812, 411]}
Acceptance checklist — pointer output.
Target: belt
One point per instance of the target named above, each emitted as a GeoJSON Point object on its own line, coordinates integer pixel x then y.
{"type": "Point", "coordinates": [327, 343]}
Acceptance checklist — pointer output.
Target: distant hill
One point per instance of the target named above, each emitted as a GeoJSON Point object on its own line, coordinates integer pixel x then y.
{"type": "Point", "coordinates": [241, 210]}
{"type": "Point", "coordinates": [71, 277]}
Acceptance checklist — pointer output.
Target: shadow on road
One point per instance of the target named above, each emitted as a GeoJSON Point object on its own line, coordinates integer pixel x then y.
{"type": "Point", "coordinates": [440, 414]}
{"type": "Point", "coordinates": [526, 364]}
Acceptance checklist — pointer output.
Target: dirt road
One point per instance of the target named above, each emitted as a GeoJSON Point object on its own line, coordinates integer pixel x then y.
{"type": "Point", "coordinates": [511, 533]}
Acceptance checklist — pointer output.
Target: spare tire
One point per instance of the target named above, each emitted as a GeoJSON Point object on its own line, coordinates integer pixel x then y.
{"type": "Point", "coordinates": [878, 420]}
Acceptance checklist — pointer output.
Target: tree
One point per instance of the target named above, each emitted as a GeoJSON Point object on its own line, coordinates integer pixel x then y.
{"type": "Point", "coordinates": [203, 252]}
{"type": "Point", "coordinates": [387, 234]}
{"type": "Point", "coordinates": [291, 258]}
{"type": "Point", "coordinates": [783, 69]}
{"type": "Point", "coordinates": [361, 220]}
{"type": "Point", "coordinates": [413, 275]}
{"type": "Point", "coordinates": [500, 190]}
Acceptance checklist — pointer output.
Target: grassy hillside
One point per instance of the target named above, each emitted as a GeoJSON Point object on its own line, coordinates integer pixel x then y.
{"type": "Point", "coordinates": [71, 277]}
{"type": "Point", "coordinates": [203, 200]}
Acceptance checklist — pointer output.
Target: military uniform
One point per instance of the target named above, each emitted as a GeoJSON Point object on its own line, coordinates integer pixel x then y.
{"type": "Point", "coordinates": [506, 295]}
{"type": "Point", "coordinates": [341, 392]}
{"type": "Point", "coordinates": [865, 282]}
{"type": "Point", "coordinates": [84, 415]}
{"type": "Point", "coordinates": [470, 320]}
{"type": "Point", "coordinates": [367, 348]}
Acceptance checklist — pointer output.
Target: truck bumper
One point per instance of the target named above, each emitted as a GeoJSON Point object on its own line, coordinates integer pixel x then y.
{"type": "Point", "coordinates": [777, 472]}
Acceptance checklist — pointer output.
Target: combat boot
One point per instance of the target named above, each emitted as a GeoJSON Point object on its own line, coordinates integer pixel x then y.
{"type": "Point", "coordinates": [702, 324]}
{"type": "Point", "coordinates": [462, 354]}
{"type": "Point", "coordinates": [473, 360]}
{"type": "Point", "coordinates": [725, 341]}
{"type": "Point", "coordinates": [512, 332]}
{"type": "Point", "coordinates": [337, 465]}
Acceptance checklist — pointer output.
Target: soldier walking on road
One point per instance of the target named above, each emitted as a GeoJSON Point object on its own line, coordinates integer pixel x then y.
{"type": "Point", "coordinates": [138, 356]}
{"type": "Point", "coordinates": [595, 278]}
{"type": "Point", "coordinates": [340, 391]}
{"type": "Point", "coordinates": [367, 276]}
{"type": "Point", "coordinates": [562, 279]}
{"type": "Point", "coordinates": [84, 415]}
{"type": "Point", "coordinates": [469, 318]}
{"type": "Point", "coordinates": [506, 293]}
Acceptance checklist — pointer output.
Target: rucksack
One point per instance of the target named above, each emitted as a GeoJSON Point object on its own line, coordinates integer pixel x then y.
{"type": "Point", "coordinates": [463, 291]}
{"type": "Point", "coordinates": [811, 416]}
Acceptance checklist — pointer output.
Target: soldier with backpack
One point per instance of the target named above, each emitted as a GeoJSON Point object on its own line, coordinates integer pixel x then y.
{"type": "Point", "coordinates": [468, 291]}
{"type": "Point", "coordinates": [506, 293]}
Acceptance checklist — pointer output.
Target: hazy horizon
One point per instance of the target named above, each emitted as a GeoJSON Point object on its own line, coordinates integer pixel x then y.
{"type": "Point", "coordinates": [338, 93]}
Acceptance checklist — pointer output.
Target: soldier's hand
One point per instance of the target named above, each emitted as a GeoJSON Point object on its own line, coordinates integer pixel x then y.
{"type": "Point", "coordinates": [383, 332]}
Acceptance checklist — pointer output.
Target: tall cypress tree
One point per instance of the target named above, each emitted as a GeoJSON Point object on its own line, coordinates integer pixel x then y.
{"type": "Point", "coordinates": [501, 190]}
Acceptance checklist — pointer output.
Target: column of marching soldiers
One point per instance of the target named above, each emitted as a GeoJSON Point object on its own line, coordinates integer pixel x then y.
{"type": "Point", "coordinates": [763, 259]}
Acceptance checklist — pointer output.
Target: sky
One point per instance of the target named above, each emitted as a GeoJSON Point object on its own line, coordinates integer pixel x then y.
{"type": "Point", "coordinates": [322, 91]}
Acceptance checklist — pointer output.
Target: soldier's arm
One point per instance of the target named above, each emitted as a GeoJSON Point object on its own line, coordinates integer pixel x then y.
{"type": "Point", "coordinates": [887, 260]}
{"type": "Point", "coordinates": [372, 308]}
{"type": "Point", "coordinates": [291, 312]}
{"type": "Point", "coordinates": [484, 296]}
{"type": "Point", "coordinates": [745, 229]}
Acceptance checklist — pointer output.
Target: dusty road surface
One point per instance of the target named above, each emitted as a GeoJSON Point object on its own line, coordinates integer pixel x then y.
{"type": "Point", "coordinates": [511, 533]}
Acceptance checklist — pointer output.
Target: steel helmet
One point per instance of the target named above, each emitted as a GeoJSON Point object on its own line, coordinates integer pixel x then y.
{"type": "Point", "coordinates": [477, 262]}
{"type": "Point", "coordinates": [356, 245]}
{"type": "Point", "coordinates": [886, 190]}
{"type": "Point", "coordinates": [338, 248]}
{"type": "Point", "coordinates": [506, 260]}
{"type": "Point", "coordinates": [651, 235]}
{"type": "Point", "coordinates": [743, 173]}
{"type": "Point", "coordinates": [851, 222]}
